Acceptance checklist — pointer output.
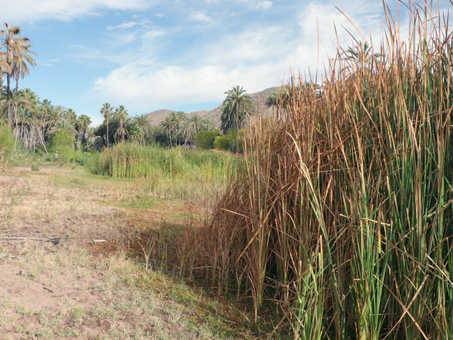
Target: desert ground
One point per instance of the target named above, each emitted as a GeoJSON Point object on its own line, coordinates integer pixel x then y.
{"type": "Point", "coordinates": [72, 262]}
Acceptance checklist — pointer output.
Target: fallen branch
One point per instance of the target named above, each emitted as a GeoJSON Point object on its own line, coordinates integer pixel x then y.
{"type": "Point", "coordinates": [49, 290]}
{"type": "Point", "coordinates": [55, 240]}
{"type": "Point", "coordinates": [70, 219]}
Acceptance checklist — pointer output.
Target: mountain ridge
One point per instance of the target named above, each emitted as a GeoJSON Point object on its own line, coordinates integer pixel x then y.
{"type": "Point", "coordinates": [259, 99]}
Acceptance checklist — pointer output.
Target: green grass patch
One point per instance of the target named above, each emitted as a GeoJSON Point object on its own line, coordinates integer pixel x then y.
{"type": "Point", "coordinates": [130, 160]}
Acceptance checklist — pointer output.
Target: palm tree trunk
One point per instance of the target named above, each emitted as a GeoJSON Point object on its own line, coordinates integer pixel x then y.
{"type": "Point", "coordinates": [108, 137]}
{"type": "Point", "coordinates": [42, 140]}
{"type": "Point", "coordinates": [9, 107]}
{"type": "Point", "coordinates": [14, 101]}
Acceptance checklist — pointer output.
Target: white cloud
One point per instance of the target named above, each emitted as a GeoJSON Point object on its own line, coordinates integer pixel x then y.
{"type": "Point", "coordinates": [256, 57]}
{"type": "Point", "coordinates": [31, 10]}
{"type": "Point", "coordinates": [264, 5]}
{"type": "Point", "coordinates": [200, 16]}
{"type": "Point", "coordinates": [320, 20]}
{"type": "Point", "coordinates": [257, 61]}
{"type": "Point", "coordinates": [143, 88]}
{"type": "Point", "coordinates": [48, 62]}
{"type": "Point", "coordinates": [124, 25]}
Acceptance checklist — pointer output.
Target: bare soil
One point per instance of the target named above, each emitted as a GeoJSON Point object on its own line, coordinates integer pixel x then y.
{"type": "Point", "coordinates": [87, 286]}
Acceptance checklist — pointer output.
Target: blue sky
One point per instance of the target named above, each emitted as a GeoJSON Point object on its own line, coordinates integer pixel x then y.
{"type": "Point", "coordinates": [179, 55]}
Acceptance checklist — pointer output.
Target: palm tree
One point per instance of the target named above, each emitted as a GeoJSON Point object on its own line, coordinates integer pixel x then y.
{"type": "Point", "coordinates": [362, 55]}
{"type": "Point", "coordinates": [21, 62]}
{"type": "Point", "coordinates": [31, 120]}
{"type": "Point", "coordinates": [3, 68]}
{"type": "Point", "coordinates": [236, 107]}
{"type": "Point", "coordinates": [207, 123]}
{"type": "Point", "coordinates": [144, 126]}
{"type": "Point", "coordinates": [9, 34]}
{"type": "Point", "coordinates": [82, 125]}
{"type": "Point", "coordinates": [64, 125]}
{"type": "Point", "coordinates": [23, 59]}
{"type": "Point", "coordinates": [15, 63]}
{"type": "Point", "coordinates": [46, 108]}
{"type": "Point", "coordinates": [177, 119]}
{"type": "Point", "coordinates": [167, 126]}
{"type": "Point", "coordinates": [106, 112]}
{"type": "Point", "coordinates": [70, 114]}
{"type": "Point", "coordinates": [273, 102]}
{"type": "Point", "coordinates": [190, 127]}
{"type": "Point", "coordinates": [121, 116]}
{"type": "Point", "coordinates": [56, 113]}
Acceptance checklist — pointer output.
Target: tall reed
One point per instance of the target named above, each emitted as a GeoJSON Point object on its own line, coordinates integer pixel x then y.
{"type": "Point", "coordinates": [342, 213]}
{"type": "Point", "coordinates": [173, 169]}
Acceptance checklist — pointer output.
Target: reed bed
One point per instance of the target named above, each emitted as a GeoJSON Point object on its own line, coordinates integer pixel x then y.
{"type": "Point", "coordinates": [173, 171]}
{"type": "Point", "coordinates": [341, 218]}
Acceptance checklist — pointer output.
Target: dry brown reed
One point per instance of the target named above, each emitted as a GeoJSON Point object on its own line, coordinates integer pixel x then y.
{"type": "Point", "coordinates": [341, 216]}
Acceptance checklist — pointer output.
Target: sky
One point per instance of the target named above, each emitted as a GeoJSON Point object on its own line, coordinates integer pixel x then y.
{"type": "Point", "coordinates": [179, 55]}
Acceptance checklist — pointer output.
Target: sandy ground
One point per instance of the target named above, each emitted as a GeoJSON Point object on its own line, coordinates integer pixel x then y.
{"type": "Point", "coordinates": [78, 288]}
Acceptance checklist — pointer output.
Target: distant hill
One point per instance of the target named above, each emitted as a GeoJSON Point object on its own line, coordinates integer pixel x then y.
{"type": "Point", "coordinates": [259, 98]}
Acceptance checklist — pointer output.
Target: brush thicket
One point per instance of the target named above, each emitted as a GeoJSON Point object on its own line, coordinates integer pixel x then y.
{"type": "Point", "coordinates": [342, 214]}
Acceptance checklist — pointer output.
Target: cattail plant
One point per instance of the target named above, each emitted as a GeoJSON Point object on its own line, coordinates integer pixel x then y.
{"type": "Point", "coordinates": [341, 214]}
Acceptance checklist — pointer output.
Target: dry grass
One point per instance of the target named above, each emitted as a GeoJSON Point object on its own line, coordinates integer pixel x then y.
{"type": "Point", "coordinates": [79, 289]}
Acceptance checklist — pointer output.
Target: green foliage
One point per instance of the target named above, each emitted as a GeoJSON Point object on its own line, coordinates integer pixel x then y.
{"type": "Point", "coordinates": [229, 142]}
{"type": "Point", "coordinates": [6, 146]}
{"type": "Point", "coordinates": [205, 139]}
{"type": "Point", "coordinates": [63, 142]}
{"type": "Point", "coordinates": [90, 160]}
{"type": "Point", "coordinates": [223, 142]}
{"type": "Point", "coordinates": [6, 139]}
{"type": "Point", "coordinates": [62, 138]}
{"type": "Point", "coordinates": [236, 107]}
{"type": "Point", "coordinates": [132, 160]}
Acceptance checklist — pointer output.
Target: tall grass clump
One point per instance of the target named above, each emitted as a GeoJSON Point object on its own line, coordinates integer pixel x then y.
{"type": "Point", "coordinates": [6, 146]}
{"type": "Point", "coordinates": [132, 160]}
{"type": "Point", "coordinates": [341, 218]}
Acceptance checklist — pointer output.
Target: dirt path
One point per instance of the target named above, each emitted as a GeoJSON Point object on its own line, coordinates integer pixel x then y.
{"type": "Point", "coordinates": [67, 291]}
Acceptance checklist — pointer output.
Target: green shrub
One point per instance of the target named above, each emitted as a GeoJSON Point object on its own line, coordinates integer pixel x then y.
{"type": "Point", "coordinates": [229, 142]}
{"type": "Point", "coordinates": [62, 138]}
{"type": "Point", "coordinates": [222, 142]}
{"type": "Point", "coordinates": [205, 139]}
{"type": "Point", "coordinates": [6, 146]}
{"type": "Point", "coordinates": [62, 142]}
{"type": "Point", "coordinates": [6, 139]}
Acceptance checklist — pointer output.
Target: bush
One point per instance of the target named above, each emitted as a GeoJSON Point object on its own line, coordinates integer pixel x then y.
{"type": "Point", "coordinates": [62, 142]}
{"type": "Point", "coordinates": [205, 139]}
{"type": "Point", "coordinates": [229, 142]}
{"type": "Point", "coordinates": [6, 146]}
{"type": "Point", "coordinates": [222, 142]}
{"type": "Point", "coordinates": [6, 139]}
{"type": "Point", "coordinates": [62, 138]}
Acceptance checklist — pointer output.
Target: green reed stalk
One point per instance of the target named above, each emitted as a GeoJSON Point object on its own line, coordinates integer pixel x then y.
{"type": "Point", "coordinates": [342, 212]}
